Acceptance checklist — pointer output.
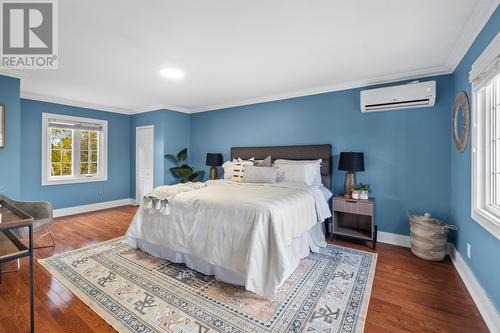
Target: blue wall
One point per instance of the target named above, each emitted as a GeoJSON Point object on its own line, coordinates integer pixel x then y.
{"type": "Point", "coordinates": [171, 136]}
{"type": "Point", "coordinates": [116, 187]}
{"type": "Point", "coordinates": [407, 152]}
{"type": "Point", "coordinates": [484, 262]}
{"type": "Point", "coordinates": [25, 116]}
{"type": "Point", "coordinates": [10, 156]}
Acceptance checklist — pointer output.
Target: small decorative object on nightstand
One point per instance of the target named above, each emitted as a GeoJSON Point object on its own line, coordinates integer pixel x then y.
{"type": "Point", "coordinates": [351, 162]}
{"type": "Point", "coordinates": [354, 219]}
{"type": "Point", "coordinates": [361, 191]}
{"type": "Point", "coordinates": [214, 160]}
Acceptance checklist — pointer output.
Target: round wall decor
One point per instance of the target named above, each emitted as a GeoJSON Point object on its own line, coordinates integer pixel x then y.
{"type": "Point", "coordinates": [461, 121]}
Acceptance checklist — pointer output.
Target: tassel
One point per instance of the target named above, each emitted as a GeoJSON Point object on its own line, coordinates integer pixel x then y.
{"type": "Point", "coordinates": [165, 208]}
{"type": "Point", "coordinates": [158, 205]}
{"type": "Point", "coordinates": [151, 205]}
{"type": "Point", "coordinates": [154, 202]}
{"type": "Point", "coordinates": [146, 201]}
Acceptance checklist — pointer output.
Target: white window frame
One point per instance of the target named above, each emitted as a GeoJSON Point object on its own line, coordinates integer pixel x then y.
{"type": "Point", "coordinates": [483, 210]}
{"type": "Point", "coordinates": [48, 179]}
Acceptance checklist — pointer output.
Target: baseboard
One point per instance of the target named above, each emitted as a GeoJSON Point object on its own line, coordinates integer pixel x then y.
{"type": "Point", "coordinates": [92, 207]}
{"type": "Point", "coordinates": [483, 302]}
{"type": "Point", "coordinates": [394, 239]}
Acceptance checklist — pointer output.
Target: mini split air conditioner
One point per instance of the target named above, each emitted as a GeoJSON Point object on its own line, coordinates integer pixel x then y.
{"type": "Point", "coordinates": [406, 96]}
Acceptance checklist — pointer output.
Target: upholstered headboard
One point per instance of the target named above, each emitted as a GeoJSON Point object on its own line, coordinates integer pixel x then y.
{"type": "Point", "coordinates": [307, 152]}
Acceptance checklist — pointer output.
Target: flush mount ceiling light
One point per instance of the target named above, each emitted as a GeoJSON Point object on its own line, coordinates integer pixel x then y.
{"type": "Point", "coordinates": [172, 73]}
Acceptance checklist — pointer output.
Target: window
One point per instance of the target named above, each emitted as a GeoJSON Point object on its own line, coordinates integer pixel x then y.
{"type": "Point", "coordinates": [485, 79]}
{"type": "Point", "coordinates": [89, 152]}
{"type": "Point", "coordinates": [74, 149]}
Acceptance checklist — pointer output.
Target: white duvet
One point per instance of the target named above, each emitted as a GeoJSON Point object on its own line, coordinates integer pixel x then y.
{"type": "Point", "coordinates": [244, 228]}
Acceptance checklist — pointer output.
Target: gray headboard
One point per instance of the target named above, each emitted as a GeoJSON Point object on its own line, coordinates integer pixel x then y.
{"type": "Point", "coordinates": [307, 152]}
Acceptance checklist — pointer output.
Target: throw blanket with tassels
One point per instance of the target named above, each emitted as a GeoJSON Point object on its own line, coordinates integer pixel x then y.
{"type": "Point", "coordinates": [160, 197]}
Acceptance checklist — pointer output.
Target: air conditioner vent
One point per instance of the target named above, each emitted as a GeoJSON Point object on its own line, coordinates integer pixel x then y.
{"type": "Point", "coordinates": [412, 95]}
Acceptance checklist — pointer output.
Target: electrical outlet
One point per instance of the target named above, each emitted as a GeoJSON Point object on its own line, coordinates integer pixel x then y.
{"type": "Point", "coordinates": [468, 250]}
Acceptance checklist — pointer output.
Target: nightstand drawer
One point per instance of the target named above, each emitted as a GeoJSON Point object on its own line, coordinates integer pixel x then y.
{"type": "Point", "coordinates": [353, 207]}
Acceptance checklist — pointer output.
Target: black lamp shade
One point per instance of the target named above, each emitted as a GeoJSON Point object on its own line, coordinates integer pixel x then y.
{"type": "Point", "coordinates": [350, 161]}
{"type": "Point", "coordinates": [214, 159]}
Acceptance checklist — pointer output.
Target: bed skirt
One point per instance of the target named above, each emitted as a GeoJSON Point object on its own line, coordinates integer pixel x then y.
{"type": "Point", "coordinates": [300, 247]}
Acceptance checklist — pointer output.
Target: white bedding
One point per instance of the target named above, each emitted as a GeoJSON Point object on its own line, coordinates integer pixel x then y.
{"type": "Point", "coordinates": [246, 229]}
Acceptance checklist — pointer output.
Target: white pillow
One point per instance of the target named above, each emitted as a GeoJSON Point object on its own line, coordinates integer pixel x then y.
{"type": "Point", "coordinates": [228, 169]}
{"type": "Point", "coordinates": [282, 161]}
{"type": "Point", "coordinates": [256, 174]}
{"type": "Point", "coordinates": [304, 173]}
{"type": "Point", "coordinates": [229, 166]}
{"type": "Point", "coordinates": [239, 169]}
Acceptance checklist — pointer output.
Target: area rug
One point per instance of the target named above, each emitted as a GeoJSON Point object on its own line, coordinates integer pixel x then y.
{"type": "Point", "coordinates": [135, 292]}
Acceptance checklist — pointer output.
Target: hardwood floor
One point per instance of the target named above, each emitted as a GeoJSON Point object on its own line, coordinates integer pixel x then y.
{"type": "Point", "coordinates": [408, 295]}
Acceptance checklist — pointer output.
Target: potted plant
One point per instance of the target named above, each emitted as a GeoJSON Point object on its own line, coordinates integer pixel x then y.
{"type": "Point", "coordinates": [361, 191]}
{"type": "Point", "coordinates": [184, 173]}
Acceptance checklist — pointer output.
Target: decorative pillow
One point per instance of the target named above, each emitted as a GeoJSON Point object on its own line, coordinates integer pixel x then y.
{"type": "Point", "coordinates": [258, 174]}
{"type": "Point", "coordinates": [264, 163]}
{"type": "Point", "coordinates": [305, 173]}
{"type": "Point", "coordinates": [239, 169]}
{"type": "Point", "coordinates": [228, 169]}
{"type": "Point", "coordinates": [239, 159]}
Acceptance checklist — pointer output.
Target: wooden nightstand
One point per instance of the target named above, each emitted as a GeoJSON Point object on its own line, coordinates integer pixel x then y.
{"type": "Point", "coordinates": [354, 219]}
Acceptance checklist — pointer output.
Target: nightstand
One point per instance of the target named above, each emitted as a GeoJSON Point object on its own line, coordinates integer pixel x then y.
{"type": "Point", "coordinates": [354, 219]}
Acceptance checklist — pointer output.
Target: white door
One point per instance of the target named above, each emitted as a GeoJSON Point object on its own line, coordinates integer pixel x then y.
{"type": "Point", "coordinates": [144, 155]}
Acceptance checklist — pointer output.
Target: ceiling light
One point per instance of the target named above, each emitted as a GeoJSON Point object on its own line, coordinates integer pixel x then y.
{"type": "Point", "coordinates": [172, 73]}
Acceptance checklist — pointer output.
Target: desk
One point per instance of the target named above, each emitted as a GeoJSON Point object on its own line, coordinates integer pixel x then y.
{"type": "Point", "coordinates": [11, 248]}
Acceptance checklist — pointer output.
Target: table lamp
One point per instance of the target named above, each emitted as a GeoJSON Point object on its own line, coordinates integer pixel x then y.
{"type": "Point", "coordinates": [351, 162]}
{"type": "Point", "coordinates": [214, 160]}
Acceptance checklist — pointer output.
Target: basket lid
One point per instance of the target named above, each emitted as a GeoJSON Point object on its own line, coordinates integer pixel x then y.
{"type": "Point", "coordinates": [426, 218]}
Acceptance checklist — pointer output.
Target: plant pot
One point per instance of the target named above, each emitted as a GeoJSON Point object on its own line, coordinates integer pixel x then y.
{"type": "Point", "coordinates": [360, 195]}
{"type": "Point", "coordinates": [356, 194]}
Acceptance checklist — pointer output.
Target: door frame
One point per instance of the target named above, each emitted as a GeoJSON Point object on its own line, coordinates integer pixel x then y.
{"type": "Point", "coordinates": [137, 128]}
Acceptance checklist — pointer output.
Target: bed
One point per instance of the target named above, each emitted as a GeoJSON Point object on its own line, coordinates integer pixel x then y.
{"type": "Point", "coordinates": [252, 235]}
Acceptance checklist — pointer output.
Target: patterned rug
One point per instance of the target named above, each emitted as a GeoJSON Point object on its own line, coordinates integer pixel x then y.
{"type": "Point", "coordinates": [135, 292]}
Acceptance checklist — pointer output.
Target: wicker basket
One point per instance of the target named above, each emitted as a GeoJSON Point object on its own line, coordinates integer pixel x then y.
{"type": "Point", "coordinates": [428, 236]}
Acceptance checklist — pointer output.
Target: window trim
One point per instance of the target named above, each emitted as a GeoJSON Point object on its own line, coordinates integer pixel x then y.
{"type": "Point", "coordinates": [485, 69]}
{"type": "Point", "coordinates": [47, 179]}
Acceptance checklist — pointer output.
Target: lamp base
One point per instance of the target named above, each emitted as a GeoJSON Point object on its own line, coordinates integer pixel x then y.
{"type": "Point", "coordinates": [349, 183]}
{"type": "Point", "coordinates": [213, 173]}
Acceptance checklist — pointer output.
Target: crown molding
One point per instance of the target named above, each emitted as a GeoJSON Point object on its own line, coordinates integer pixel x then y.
{"type": "Point", "coordinates": [160, 107]}
{"type": "Point", "coordinates": [80, 104]}
{"type": "Point", "coordinates": [480, 16]}
{"type": "Point", "coordinates": [86, 105]}
{"type": "Point", "coordinates": [432, 71]}
{"type": "Point", "coordinates": [440, 70]}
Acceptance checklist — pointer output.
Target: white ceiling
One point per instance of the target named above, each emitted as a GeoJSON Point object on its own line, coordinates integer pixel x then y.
{"type": "Point", "coordinates": [239, 52]}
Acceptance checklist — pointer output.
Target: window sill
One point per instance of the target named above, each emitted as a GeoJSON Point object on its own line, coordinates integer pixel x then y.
{"type": "Point", "coordinates": [487, 220]}
{"type": "Point", "coordinates": [48, 182]}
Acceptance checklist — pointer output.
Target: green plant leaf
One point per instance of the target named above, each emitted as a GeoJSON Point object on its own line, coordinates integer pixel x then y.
{"type": "Point", "coordinates": [171, 157]}
{"type": "Point", "coordinates": [362, 187]}
{"type": "Point", "coordinates": [197, 176]}
{"type": "Point", "coordinates": [182, 173]}
{"type": "Point", "coordinates": [182, 155]}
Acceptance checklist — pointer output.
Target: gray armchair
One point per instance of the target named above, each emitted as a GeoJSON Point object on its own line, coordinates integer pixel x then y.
{"type": "Point", "coordinates": [42, 217]}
